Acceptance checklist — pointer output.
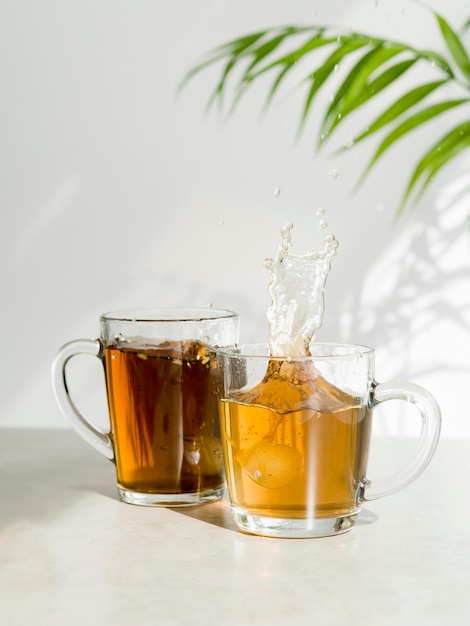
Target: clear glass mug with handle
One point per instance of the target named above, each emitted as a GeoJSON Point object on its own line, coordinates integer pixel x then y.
{"type": "Point", "coordinates": [295, 433]}
{"type": "Point", "coordinates": [160, 370]}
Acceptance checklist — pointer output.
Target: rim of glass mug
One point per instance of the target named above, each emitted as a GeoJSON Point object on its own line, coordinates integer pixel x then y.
{"type": "Point", "coordinates": [318, 350]}
{"type": "Point", "coordinates": [168, 314]}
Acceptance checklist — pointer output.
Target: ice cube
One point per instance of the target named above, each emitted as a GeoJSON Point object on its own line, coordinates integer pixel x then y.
{"type": "Point", "coordinates": [272, 465]}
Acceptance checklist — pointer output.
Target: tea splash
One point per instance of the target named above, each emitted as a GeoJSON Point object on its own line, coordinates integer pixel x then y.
{"type": "Point", "coordinates": [297, 288]}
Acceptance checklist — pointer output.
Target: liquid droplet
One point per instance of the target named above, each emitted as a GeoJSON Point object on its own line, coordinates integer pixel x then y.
{"type": "Point", "coordinates": [334, 173]}
{"type": "Point", "coordinates": [322, 224]}
{"type": "Point", "coordinates": [320, 211]}
{"type": "Point", "coordinates": [277, 191]}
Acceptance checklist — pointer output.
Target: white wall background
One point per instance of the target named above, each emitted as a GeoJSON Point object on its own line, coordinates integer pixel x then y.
{"type": "Point", "coordinates": [116, 194]}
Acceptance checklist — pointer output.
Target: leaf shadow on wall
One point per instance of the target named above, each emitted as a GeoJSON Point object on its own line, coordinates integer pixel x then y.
{"type": "Point", "coordinates": [413, 305]}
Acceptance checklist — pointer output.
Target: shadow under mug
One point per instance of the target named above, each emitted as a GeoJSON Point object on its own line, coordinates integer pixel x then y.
{"type": "Point", "coordinates": [295, 435]}
{"type": "Point", "coordinates": [160, 372]}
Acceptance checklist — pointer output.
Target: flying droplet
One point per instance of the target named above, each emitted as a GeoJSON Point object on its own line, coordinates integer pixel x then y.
{"type": "Point", "coordinates": [333, 173]}
{"type": "Point", "coordinates": [320, 211]}
{"type": "Point", "coordinates": [348, 142]}
{"type": "Point", "coordinates": [322, 224]}
{"type": "Point", "coordinates": [277, 191]}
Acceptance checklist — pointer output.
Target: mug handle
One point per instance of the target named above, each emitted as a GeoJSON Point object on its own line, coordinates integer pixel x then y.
{"type": "Point", "coordinates": [430, 413]}
{"type": "Point", "coordinates": [92, 435]}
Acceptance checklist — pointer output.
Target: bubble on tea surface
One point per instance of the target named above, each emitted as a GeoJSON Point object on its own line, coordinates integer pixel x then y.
{"type": "Point", "coordinates": [272, 465]}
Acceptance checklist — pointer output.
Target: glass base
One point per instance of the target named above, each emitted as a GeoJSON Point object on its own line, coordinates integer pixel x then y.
{"type": "Point", "coordinates": [169, 499]}
{"type": "Point", "coordinates": [294, 528]}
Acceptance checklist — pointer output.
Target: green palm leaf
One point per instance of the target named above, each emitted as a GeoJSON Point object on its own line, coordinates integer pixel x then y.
{"type": "Point", "coordinates": [455, 46]}
{"type": "Point", "coordinates": [357, 89]}
{"type": "Point", "coordinates": [409, 125]}
{"type": "Point", "coordinates": [321, 75]}
{"type": "Point", "coordinates": [258, 54]}
{"type": "Point", "coordinates": [372, 71]}
{"type": "Point", "coordinates": [447, 148]}
{"type": "Point", "coordinates": [403, 104]}
{"type": "Point", "coordinates": [287, 62]}
{"type": "Point", "coordinates": [234, 49]}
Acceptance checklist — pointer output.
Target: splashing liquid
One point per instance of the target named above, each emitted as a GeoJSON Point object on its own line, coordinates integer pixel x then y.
{"type": "Point", "coordinates": [297, 288]}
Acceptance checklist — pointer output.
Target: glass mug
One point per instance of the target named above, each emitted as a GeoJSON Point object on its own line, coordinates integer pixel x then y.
{"type": "Point", "coordinates": [160, 372]}
{"type": "Point", "coordinates": [295, 435]}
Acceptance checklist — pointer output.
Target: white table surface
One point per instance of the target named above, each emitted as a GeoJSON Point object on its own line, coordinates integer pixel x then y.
{"type": "Point", "coordinates": [71, 553]}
